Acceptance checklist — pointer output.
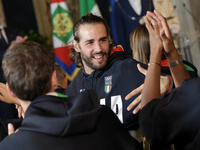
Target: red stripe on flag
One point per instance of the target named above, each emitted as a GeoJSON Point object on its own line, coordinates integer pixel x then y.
{"type": "Point", "coordinates": [57, 1]}
{"type": "Point", "coordinates": [63, 54]}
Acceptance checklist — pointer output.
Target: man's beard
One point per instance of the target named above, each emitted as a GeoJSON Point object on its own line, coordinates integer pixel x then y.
{"type": "Point", "coordinates": [88, 61]}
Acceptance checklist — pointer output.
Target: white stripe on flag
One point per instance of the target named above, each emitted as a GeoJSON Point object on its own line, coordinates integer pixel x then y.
{"type": "Point", "coordinates": [58, 43]}
{"type": "Point", "coordinates": [63, 5]}
{"type": "Point", "coordinates": [55, 5]}
{"type": "Point", "coordinates": [95, 10]}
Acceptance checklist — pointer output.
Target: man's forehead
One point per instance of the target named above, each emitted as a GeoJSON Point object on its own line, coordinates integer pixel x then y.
{"type": "Point", "coordinates": [88, 26]}
{"type": "Point", "coordinates": [90, 31]}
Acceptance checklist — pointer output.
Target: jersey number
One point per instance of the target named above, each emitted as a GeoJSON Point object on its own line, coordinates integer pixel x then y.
{"type": "Point", "coordinates": [116, 105]}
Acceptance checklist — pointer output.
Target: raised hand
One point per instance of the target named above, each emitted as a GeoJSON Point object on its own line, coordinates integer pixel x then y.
{"type": "Point", "coordinates": [164, 87]}
{"type": "Point", "coordinates": [19, 39]}
{"type": "Point", "coordinates": [154, 26]}
{"type": "Point", "coordinates": [165, 33]}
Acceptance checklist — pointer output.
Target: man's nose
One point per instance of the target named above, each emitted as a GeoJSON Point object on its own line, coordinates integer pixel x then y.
{"type": "Point", "coordinates": [98, 47]}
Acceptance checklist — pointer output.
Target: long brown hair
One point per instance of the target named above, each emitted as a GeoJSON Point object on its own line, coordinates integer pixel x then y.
{"type": "Point", "coordinates": [139, 42]}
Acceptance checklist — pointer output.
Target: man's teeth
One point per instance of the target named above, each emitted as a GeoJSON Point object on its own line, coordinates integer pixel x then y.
{"type": "Point", "coordinates": [98, 57]}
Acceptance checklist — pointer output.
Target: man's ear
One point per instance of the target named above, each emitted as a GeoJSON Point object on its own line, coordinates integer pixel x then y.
{"type": "Point", "coordinates": [10, 91]}
{"type": "Point", "coordinates": [76, 46]}
{"type": "Point", "coordinates": [109, 39]}
{"type": "Point", "coordinates": [54, 81]}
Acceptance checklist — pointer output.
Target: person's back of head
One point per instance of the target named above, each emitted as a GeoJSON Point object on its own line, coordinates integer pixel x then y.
{"type": "Point", "coordinates": [28, 69]}
{"type": "Point", "coordinates": [139, 42]}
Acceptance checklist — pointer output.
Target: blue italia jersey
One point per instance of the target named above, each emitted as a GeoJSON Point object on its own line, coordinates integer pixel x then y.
{"type": "Point", "coordinates": [112, 84]}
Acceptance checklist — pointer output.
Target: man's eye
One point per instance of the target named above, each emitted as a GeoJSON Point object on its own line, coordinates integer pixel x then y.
{"type": "Point", "coordinates": [103, 40]}
{"type": "Point", "coordinates": [89, 43]}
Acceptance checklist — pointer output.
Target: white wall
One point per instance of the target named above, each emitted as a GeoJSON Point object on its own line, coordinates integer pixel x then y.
{"type": "Point", "coordinates": [189, 27]}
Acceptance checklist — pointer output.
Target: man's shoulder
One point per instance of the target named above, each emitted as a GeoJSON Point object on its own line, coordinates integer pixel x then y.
{"type": "Point", "coordinates": [73, 86]}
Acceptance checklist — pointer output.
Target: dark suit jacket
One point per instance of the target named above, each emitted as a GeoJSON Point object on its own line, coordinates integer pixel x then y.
{"type": "Point", "coordinates": [7, 111]}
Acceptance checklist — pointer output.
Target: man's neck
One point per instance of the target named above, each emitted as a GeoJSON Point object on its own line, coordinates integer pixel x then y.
{"type": "Point", "coordinates": [24, 104]}
{"type": "Point", "coordinates": [88, 70]}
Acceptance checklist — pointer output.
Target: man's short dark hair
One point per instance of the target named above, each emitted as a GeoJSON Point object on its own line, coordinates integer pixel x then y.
{"type": "Point", "coordinates": [28, 69]}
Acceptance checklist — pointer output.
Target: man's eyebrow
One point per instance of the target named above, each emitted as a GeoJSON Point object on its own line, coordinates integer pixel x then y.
{"type": "Point", "coordinates": [104, 38]}
{"type": "Point", "coordinates": [90, 40]}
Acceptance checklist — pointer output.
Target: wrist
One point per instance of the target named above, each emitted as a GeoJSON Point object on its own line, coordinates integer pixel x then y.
{"type": "Point", "coordinates": [156, 58]}
{"type": "Point", "coordinates": [173, 56]}
{"type": "Point", "coordinates": [176, 62]}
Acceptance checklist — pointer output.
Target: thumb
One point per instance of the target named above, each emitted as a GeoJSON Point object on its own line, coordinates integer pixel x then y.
{"type": "Point", "coordinates": [11, 129]}
{"type": "Point", "coordinates": [142, 70]}
{"type": "Point", "coordinates": [25, 38]}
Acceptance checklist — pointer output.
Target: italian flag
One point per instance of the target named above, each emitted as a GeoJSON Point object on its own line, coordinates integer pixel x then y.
{"type": "Point", "coordinates": [89, 6]}
{"type": "Point", "coordinates": [62, 26]}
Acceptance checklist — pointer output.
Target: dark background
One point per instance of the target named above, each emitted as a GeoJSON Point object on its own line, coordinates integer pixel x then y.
{"type": "Point", "coordinates": [20, 14]}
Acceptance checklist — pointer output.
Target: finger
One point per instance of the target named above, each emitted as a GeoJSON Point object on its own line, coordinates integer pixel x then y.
{"type": "Point", "coordinates": [11, 129]}
{"type": "Point", "coordinates": [2, 93]}
{"type": "Point", "coordinates": [135, 111]}
{"type": "Point", "coordinates": [156, 23]}
{"type": "Point", "coordinates": [142, 70]}
{"type": "Point", "coordinates": [18, 37]}
{"type": "Point", "coordinates": [154, 16]}
{"type": "Point", "coordinates": [19, 112]}
{"type": "Point", "coordinates": [148, 24]}
{"type": "Point", "coordinates": [22, 114]}
{"type": "Point", "coordinates": [160, 17]}
{"type": "Point", "coordinates": [134, 92]}
{"type": "Point", "coordinates": [164, 23]}
{"type": "Point", "coordinates": [156, 27]}
{"type": "Point", "coordinates": [16, 106]}
{"type": "Point", "coordinates": [2, 84]}
{"type": "Point", "coordinates": [25, 38]}
{"type": "Point", "coordinates": [135, 102]}
{"type": "Point", "coordinates": [152, 21]}
{"type": "Point", "coordinates": [163, 35]}
{"type": "Point", "coordinates": [1, 89]}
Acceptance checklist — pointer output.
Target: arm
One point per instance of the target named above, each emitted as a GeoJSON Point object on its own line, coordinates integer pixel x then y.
{"type": "Point", "coordinates": [152, 81]}
{"type": "Point", "coordinates": [179, 72]}
{"type": "Point", "coordinates": [153, 75]}
{"type": "Point", "coordinates": [160, 37]}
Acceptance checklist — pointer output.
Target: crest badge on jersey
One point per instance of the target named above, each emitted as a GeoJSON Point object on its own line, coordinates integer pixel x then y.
{"type": "Point", "coordinates": [108, 84]}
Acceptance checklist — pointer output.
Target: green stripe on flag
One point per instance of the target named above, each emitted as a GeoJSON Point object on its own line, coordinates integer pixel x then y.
{"type": "Point", "coordinates": [88, 6]}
